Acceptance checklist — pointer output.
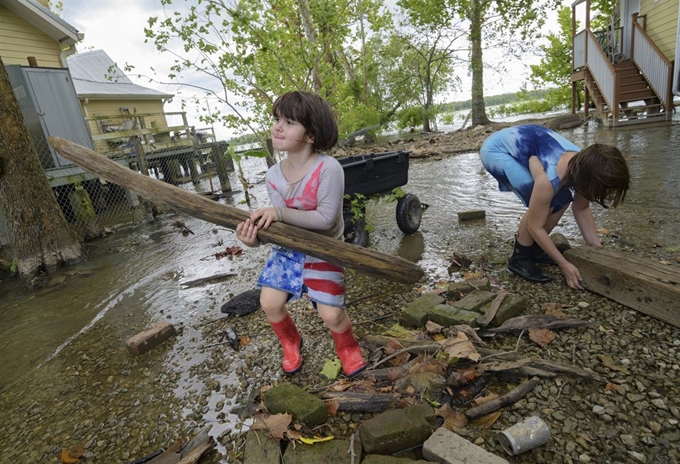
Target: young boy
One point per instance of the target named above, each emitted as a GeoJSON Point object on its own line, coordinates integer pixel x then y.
{"type": "Point", "coordinates": [306, 190]}
{"type": "Point", "coordinates": [547, 172]}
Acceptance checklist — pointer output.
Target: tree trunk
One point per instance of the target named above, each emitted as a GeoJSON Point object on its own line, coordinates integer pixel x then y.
{"type": "Point", "coordinates": [41, 237]}
{"type": "Point", "coordinates": [479, 117]}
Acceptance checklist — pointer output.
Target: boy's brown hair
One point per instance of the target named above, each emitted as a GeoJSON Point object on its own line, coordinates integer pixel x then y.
{"type": "Point", "coordinates": [313, 112]}
{"type": "Point", "coordinates": [599, 173]}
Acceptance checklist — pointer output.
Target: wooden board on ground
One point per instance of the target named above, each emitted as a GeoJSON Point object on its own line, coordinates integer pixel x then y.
{"type": "Point", "coordinates": [638, 283]}
{"type": "Point", "coordinates": [334, 251]}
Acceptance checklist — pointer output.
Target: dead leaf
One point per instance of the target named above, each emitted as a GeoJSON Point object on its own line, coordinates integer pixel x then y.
{"type": "Point", "coordinates": [395, 374]}
{"type": "Point", "coordinates": [433, 328]}
{"type": "Point", "coordinates": [611, 386]}
{"type": "Point", "coordinates": [454, 421]}
{"type": "Point", "coordinates": [603, 231]}
{"type": "Point", "coordinates": [541, 336]}
{"type": "Point", "coordinates": [332, 407]}
{"type": "Point", "coordinates": [245, 340]}
{"type": "Point", "coordinates": [460, 347]}
{"type": "Point", "coordinates": [487, 421]}
{"type": "Point", "coordinates": [72, 454]}
{"type": "Point", "coordinates": [66, 458]}
{"type": "Point", "coordinates": [275, 425]}
{"type": "Point", "coordinates": [663, 261]}
{"type": "Point", "coordinates": [480, 400]}
{"type": "Point", "coordinates": [472, 275]}
{"type": "Point", "coordinates": [407, 401]}
{"type": "Point", "coordinates": [293, 435]}
{"type": "Point", "coordinates": [608, 361]}
{"type": "Point", "coordinates": [399, 360]}
{"type": "Point", "coordinates": [553, 309]}
{"type": "Point", "coordinates": [463, 377]}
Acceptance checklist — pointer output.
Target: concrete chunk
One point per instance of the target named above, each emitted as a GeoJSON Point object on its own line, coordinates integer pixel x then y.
{"type": "Point", "coordinates": [446, 447]}
{"type": "Point", "coordinates": [446, 315]}
{"type": "Point", "coordinates": [397, 429]}
{"type": "Point", "coordinates": [150, 338]}
{"type": "Point", "coordinates": [475, 300]}
{"type": "Point", "coordinates": [329, 452]}
{"type": "Point", "coordinates": [512, 306]}
{"type": "Point", "coordinates": [415, 314]}
{"type": "Point", "coordinates": [260, 449]}
{"type": "Point", "coordinates": [380, 459]}
{"type": "Point", "coordinates": [293, 400]}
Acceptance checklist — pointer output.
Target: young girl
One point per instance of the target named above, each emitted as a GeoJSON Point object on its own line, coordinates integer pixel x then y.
{"type": "Point", "coordinates": [547, 172]}
{"type": "Point", "coordinates": [306, 190]}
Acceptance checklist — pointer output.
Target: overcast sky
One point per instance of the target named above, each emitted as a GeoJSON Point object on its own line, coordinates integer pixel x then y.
{"type": "Point", "coordinates": [117, 27]}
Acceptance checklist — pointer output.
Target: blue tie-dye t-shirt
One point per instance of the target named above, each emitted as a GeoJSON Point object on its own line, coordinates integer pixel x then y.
{"type": "Point", "coordinates": [505, 154]}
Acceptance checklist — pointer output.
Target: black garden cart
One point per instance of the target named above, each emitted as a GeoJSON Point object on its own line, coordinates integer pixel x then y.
{"type": "Point", "coordinates": [377, 174]}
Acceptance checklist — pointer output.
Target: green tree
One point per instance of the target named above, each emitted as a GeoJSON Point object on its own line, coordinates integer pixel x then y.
{"type": "Point", "coordinates": [506, 24]}
{"type": "Point", "coordinates": [256, 50]}
{"type": "Point", "coordinates": [554, 69]}
{"type": "Point", "coordinates": [427, 59]}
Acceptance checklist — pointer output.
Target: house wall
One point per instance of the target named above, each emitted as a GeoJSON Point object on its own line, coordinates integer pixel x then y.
{"type": "Point", "coordinates": [19, 40]}
{"type": "Point", "coordinates": [113, 107]}
{"type": "Point", "coordinates": [662, 24]}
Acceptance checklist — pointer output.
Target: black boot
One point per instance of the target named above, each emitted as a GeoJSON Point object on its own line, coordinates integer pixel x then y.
{"type": "Point", "coordinates": [522, 263]}
{"type": "Point", "coordinates": [541, 256]}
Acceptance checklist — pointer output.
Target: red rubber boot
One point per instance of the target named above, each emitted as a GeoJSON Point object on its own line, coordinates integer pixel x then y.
{"type": "Point", "coordinates": [348, 351]}
{"type": "Point", "coordinates": [291, 341]}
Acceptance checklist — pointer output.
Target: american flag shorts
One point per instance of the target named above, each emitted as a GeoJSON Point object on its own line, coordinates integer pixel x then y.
{"type": "Point", "coordinates": [296, 273]}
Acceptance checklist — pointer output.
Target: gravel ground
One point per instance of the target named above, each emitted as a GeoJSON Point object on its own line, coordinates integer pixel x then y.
{"type": "Point", "coordinates": [122, 408]}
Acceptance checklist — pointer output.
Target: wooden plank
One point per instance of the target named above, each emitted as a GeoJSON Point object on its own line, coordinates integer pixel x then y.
{"type": "Point", "coordinates": [334, 251]}
{"type": "Point", "coordinates": [638, 283]}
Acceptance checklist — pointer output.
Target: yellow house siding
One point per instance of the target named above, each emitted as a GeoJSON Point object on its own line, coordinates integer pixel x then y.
{"type": "Point", "coordinates": [19, 40]}
{"type": "Point", "coordinates": [113, 108]}
{"type": "Point", "coordinates": [662, 24]}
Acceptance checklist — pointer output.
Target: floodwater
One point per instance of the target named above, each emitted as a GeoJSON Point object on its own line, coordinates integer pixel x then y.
{"type": "Point", "coordinates": [134, 276]}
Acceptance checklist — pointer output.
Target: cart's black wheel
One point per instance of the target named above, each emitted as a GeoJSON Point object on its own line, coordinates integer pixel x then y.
{"type": "Point", "coordinates": [409, 213]}
{"type": "Point", "coordinates": [356, 233]}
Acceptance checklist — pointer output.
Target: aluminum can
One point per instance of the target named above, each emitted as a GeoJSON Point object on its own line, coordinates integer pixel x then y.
{"type": "Point", "coordinates": [523, 436]}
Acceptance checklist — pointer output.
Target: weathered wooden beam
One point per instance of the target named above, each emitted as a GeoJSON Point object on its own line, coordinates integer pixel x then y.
{"type": "Point", "coordinates": [342, 254]}
{"type": "Point", "coordinates": [638, 283]}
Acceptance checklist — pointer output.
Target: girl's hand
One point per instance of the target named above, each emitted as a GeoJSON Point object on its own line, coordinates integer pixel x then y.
{"type": "Point", "coordinates": [246, 232]}
{"type": "Point", "coordinates": [573, 276]}
{"type": "Point", "coordinates": [264, 217]}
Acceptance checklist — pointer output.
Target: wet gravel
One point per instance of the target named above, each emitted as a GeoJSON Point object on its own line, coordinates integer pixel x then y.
{"type": "Point", "coordinates": [122, 407]}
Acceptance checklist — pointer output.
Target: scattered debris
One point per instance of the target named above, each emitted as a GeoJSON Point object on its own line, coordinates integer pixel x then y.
{"type": "Point", "coordinates": [207, 280]}
{"type": "Point", "coordinates": [242, 304]}
{"type": "Point", "coordinates": [471, 215]}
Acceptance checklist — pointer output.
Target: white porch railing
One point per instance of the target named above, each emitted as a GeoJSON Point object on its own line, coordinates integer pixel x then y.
{"type": "Point", "coordinates": [652, 64]}
{"type": "Point", "coordinates": [602, 71]}
{"type": "Point", "coordinates": [579, 50]}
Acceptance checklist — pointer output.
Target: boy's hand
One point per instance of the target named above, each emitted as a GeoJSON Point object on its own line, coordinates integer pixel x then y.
{"type": "Point", "coordinates": [246, 232]}
{"type": "Point", "coordinates": [573, 276]}
{"type": "Point", "coordinates": [264, 217]}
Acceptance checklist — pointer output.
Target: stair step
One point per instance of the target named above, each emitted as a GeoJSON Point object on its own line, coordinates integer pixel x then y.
{"type": "Point", "coordinates": [636, 95]}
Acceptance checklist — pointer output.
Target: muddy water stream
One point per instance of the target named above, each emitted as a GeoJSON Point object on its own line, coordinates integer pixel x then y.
{"type": "Point", "coordinates": [66, 378]}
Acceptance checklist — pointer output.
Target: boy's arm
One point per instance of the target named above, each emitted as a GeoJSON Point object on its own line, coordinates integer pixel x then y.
{"type": "Point", "coordinates": [584, 218]}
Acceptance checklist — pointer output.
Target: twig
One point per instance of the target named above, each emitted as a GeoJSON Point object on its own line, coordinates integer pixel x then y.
{"type": "Point", "coordinates": [509, 398]}
{"type": "Point", "coordinates": [351, 449]}
{"type": "Point", "coordinates": [411, 349]}
{"type": "Point", "coordinates": [518, 340]}
{"type": "Point", "coordinates": [559, 392]}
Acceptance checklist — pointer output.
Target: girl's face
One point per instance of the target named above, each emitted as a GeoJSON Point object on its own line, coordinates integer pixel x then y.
{"type": "Point", "coordinates": [289, 135]}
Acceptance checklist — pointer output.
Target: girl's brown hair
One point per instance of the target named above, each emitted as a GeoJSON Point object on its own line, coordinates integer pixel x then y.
{"type": "Point", "coordinates": [313, 112]}
{"type": "Point", "coordinates": [599, 173]}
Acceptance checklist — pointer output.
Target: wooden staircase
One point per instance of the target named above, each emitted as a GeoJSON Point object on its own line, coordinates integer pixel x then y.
{"type": "Point", "coordinates": [638, 103]}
